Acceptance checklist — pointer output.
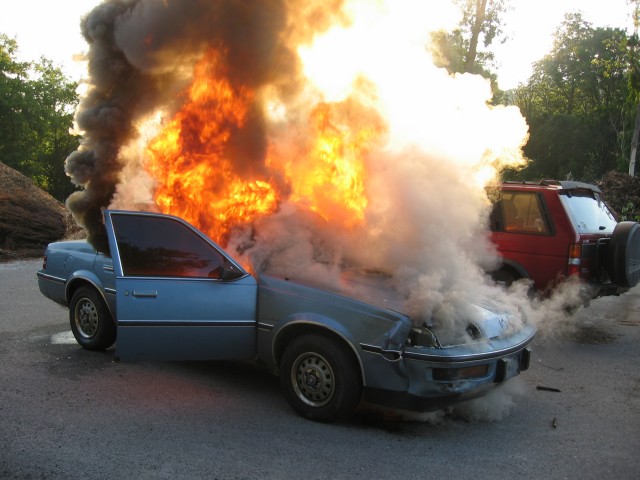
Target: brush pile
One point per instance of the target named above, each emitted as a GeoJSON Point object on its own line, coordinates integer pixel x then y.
{"type": "Point", "coordinates": [30, 218]}
{"type": "Point", "coordinates": [622, 193]}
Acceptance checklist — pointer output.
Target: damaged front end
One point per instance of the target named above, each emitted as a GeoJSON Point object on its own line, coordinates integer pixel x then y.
{"type": "Point", "coordinates": [430, 369]}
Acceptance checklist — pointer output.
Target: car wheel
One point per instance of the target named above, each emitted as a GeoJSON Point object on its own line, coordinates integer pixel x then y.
{"type": "Point", "coordinates": [320, 379]}
{"type": "Point", "coordinates": [91, 322]}
{"type": "Point", "coordinates": [623, 256]}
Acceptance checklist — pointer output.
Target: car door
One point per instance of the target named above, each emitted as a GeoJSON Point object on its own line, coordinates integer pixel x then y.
{"type": "Point", "coordinates": [527, 237]}
{"type": "Point", "coordinates": [178, 296]}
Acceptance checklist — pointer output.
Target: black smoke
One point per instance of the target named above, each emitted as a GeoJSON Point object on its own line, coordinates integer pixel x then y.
{"type": "Point", "coordinates": [141, 53]}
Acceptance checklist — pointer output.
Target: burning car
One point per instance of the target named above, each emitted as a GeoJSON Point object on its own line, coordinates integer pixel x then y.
{"type": "Point", "coordinates": [166, 291]}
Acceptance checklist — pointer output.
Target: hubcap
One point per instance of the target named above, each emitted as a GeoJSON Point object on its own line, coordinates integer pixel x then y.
{"type": "Point", "coordinates": [86, 318]}
{"type": "Point", "coordinates": [313, 379]}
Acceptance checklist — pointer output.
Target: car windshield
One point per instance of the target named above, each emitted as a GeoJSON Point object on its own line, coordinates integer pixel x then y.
{"type": "Point", "coordinates": [588, 212]}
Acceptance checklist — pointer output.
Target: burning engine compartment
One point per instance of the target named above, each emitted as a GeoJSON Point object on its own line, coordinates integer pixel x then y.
{"type": "Point", "coordinates": [305, 137]}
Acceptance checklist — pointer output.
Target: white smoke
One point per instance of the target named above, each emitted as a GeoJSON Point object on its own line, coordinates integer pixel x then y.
{"type": "Point", "coordinates": [494, 406]}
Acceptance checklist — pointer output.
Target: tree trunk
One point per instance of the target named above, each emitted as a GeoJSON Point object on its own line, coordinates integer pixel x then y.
{"type": "Point", "coordinates": [470, 60]}
{"type": "Point", "coordinates": [634, 144]}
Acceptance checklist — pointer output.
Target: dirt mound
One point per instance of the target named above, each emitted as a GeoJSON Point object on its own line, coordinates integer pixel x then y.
{"type": "Point", "coordinates": [622, 193]}
{"type": "Point", "coordinates": [30, 218]}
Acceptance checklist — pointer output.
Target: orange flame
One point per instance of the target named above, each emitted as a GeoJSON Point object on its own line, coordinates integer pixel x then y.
{"type": "Point", "coordinates": [196, 178]}
{"type": "Point", "coordinates": [331, 181]}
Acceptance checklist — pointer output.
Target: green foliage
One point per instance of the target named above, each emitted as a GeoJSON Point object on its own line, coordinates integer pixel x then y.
{"type": "Point", "coordinates": [630, 213]}
{"type": "Point", "coordinates": [578, 103]}
{"type": "Point", "coordinates": [36, 113]}
{"type": "Point", "coordinates": [586, 72]}
{"type": "Point", "coordinates": [634, 51]}
{"type": "Point", "coordinates": [458, 51]}
{"type": "Point", "coordinates": [448, 50]}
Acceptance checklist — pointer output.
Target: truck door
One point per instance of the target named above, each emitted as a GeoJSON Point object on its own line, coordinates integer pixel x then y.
{"type": "Point", "coordinates": [178, 295]}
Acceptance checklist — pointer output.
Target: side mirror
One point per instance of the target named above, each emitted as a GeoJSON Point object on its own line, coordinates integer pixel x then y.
{"type": "Point", "coordinates": [230, 272]}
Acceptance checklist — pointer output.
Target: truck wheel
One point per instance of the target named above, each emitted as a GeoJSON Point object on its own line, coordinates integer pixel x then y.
{"type": "Point", "coordinates": [320, 379]}
{"type": "Point", "coordinates": [90, 320]}
{"type": "Point", "coordinates": [623, 255]}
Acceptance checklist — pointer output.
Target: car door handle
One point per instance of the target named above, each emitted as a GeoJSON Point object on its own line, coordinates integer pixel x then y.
{"type": "Point", "coordinates": [145, 294]}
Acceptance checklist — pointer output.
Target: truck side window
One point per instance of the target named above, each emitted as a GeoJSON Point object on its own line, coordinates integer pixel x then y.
{"type": "Point", "coordinates": [163, 247]}
{"type": "Point", "coordinates": [521, 212]}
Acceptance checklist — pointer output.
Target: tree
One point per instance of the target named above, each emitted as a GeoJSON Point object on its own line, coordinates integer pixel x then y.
{"type": "Point", "coordinates": [576, 103]}
{"type": "Point", "coordinates": [36, 113]}
{"type": "Point", "coordinates": [459, 51]}
{"type": "Point", "coordinates": [13, 74]}
{"type": "Point", "coordinates": [634, 144]}
{"type": "Point", "coordinates": [634, 83]}
{"type": "Point", "coordinates": [56, 98]}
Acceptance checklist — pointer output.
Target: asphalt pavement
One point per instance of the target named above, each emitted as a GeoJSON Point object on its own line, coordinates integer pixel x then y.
{"type": "Point", "coordinates": [66, 413]}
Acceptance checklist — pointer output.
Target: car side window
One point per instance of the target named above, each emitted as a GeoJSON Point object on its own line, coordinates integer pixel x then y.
{"type": "Point", "coordinates": [519, 212]}
{"type": "Point", "coordinates": [164, 247]}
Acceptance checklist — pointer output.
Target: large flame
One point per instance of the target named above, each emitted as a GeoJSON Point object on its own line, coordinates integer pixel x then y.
{"type": "Point", "coordinates": [195, 175]}
{"type": "Point", "coordinates": [197, 178]}
{"type": "Point", "coordinates": [330, 180]}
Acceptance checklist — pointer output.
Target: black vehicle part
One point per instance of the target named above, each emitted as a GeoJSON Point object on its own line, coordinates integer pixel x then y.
{"type": "Point", "coordinates": [505, 276]}
{"type": "Point", "coordinates": [320, 378]}
{"type": "Point", "coordinates": [91, 322]}
{"type": "Point", "coordinates": [623, 256]}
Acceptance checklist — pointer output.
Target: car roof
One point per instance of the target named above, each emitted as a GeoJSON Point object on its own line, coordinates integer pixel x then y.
{"type": "Point", "coordinates": [553, 185]}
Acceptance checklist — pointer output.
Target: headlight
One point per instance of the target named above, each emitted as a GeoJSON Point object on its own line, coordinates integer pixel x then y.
{"type": "Point", "coordinates": [422, 337]}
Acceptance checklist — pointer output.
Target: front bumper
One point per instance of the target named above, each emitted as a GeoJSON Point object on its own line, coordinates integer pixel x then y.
{"type": "Point", "coordinates": [423, 378]}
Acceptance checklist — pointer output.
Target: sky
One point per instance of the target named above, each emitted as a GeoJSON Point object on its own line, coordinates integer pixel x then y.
{"type": "Point", "coordinates": [54, 30]}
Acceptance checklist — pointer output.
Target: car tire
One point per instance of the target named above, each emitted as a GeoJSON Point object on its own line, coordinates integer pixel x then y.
{"type": "Point", "coordinates": [623, 255]}
{"type": "Point", "coordinates": [91, 322]}
{"type": "Point", "coordinates": [320, 378]}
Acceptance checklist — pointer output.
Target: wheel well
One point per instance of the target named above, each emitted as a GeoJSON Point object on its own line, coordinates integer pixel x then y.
{"type": "Point", "coordinates": [292, 332]}
{"type": "Point", "coordinates": [75, 284]}
{"type": "Point", "coordinates": [78, 283]}
{"type": "Point", "coordinates": [514, 269]}
{"type": "Point", "coordinates": [509, 270]}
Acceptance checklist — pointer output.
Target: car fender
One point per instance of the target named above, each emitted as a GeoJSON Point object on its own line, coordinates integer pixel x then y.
{"type": "Point", "coordinates": [83, 277]}
{"type": "Point", "coordinates": [307, 322]}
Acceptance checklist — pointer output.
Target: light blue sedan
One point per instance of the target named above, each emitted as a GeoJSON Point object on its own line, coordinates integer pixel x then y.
{"type": "Point", "coordinates": [167, 292]}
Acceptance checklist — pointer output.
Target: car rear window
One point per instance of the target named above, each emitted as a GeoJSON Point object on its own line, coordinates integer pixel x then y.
{"type": "Point", "coordinates": [588, 212]}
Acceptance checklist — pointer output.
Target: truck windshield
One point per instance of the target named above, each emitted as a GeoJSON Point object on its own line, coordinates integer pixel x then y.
{"type": "Point", "coordinates": [588, 212]}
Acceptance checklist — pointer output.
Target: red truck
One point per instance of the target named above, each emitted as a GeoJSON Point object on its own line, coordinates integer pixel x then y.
{"type": "Point", "coordinates": [551, 230]}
